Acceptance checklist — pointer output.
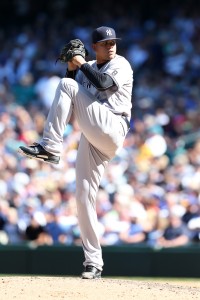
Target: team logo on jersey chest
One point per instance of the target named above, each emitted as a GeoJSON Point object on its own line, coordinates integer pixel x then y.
{"type": "Point", "coordinates": [87, 84]}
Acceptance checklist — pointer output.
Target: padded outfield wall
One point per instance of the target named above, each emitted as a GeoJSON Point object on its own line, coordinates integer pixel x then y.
{"type": "Point", "coordinates": [119, 261]}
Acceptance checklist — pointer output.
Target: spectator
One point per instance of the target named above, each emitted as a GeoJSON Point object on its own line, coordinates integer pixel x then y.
{"type": "Point", "coordinates": [176, 234]}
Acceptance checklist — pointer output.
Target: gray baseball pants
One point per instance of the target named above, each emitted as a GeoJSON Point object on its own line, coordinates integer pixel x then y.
{"type": "Point", "coordinates": [103, 133]}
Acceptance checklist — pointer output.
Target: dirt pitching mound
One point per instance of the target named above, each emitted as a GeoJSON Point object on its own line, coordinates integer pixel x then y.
{"type": "Point", "coordinates": [52, 288]}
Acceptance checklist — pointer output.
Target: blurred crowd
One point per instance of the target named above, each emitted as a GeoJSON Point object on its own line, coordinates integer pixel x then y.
{"type": "Point", "coordinates": [150, 192]}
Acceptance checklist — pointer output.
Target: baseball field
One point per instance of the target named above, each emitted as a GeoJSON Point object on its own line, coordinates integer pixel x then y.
{"type": "Point", "coordinates": [73, 288]}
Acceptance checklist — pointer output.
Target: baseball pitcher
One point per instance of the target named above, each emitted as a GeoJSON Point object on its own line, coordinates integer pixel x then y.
{"type": "Point", "coordinates": [99, 93]}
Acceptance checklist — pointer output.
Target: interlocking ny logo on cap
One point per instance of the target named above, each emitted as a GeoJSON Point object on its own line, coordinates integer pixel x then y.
{"type": "Point", "coordinates": [108, 32]}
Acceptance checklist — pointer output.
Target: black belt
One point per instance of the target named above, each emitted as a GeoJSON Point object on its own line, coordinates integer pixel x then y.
{"type": "Point", "coordinates": [126, 120]}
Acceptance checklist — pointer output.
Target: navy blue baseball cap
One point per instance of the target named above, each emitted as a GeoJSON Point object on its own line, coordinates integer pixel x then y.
{"type": "Point", "coordinates": [103, 33]}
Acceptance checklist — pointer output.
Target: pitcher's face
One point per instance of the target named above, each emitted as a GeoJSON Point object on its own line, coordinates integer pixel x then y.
{"type": "Point", "coordinates": [105, 50]}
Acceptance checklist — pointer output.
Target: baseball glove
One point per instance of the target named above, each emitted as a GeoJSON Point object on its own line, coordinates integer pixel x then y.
{"type": "Point", "coordinates": [71, 49]}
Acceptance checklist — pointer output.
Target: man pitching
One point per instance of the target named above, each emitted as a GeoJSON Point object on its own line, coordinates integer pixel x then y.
{"type": "Point", "coordinates": [99, 94]}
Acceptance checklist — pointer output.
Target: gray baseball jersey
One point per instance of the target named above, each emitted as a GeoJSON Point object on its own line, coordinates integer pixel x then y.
{"type": "Point", "coordinates": [103, 132]}
{"type": "Point", "coordinates": [117, 98]}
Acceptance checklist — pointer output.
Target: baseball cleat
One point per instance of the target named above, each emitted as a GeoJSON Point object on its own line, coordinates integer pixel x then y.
{"type": "Point", "coordinates": [38, 152]}
{"type": "Point", "coordinates": [91, 272]}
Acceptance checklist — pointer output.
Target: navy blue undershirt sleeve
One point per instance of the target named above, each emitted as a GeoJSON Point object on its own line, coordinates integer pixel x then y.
{"type": "Point", "coordinates": [101, 81]}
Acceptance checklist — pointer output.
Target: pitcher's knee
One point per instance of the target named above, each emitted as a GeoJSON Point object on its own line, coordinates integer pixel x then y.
{"type": "Point", "coordinates": [66, 81]}
{"type": "Point", "coordinates": [69, 85]}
